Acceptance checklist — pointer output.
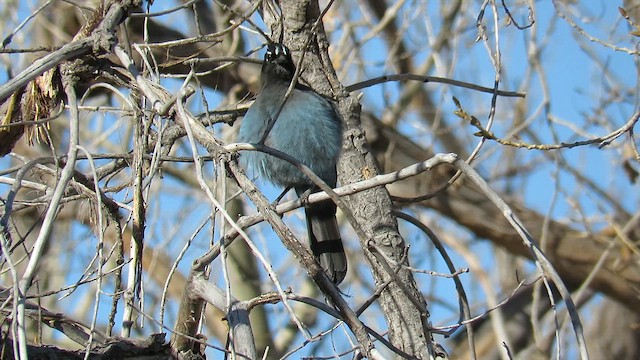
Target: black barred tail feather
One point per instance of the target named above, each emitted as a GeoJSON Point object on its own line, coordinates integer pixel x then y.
{"type": "Point", "coordinates": [325, 241]}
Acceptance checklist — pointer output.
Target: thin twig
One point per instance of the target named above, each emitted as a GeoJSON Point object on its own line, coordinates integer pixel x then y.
{"type": "Point", "coordinates": [463, 302]}
{"type": "Point", "coordinates": [52, 210]}
{"type": "Point", "coordinates": [432, 79]}
{"type": "Point", "coordinates": [542, 262]}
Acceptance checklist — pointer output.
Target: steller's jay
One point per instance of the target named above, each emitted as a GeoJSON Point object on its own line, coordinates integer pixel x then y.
{"type": "Point", "coordinates": [309, 129]}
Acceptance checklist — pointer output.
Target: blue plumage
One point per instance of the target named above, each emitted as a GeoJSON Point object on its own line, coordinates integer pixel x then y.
{"type": "Point", "coordinates": [309, 129]}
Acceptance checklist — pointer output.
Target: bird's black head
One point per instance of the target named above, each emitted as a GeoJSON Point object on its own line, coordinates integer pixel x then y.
{"type": "Point", "coordinates": [278, 64]}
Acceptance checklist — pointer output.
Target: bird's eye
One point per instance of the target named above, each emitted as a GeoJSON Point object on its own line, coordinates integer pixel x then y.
{"type": "Point", "coordinates": [275, 50]}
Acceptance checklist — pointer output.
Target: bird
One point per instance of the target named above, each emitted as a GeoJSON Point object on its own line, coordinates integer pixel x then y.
{"type": "Point", "coordinates": [307, 127]}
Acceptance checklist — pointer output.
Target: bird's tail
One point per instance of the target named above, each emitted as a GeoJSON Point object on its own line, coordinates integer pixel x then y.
{"type": "Point", "coordinates": [325, 240]}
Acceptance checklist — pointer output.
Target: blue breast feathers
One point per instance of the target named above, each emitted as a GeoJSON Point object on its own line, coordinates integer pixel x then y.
{"type": "Point", "coordinates": [308, 129]}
